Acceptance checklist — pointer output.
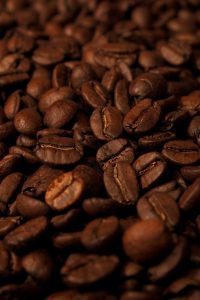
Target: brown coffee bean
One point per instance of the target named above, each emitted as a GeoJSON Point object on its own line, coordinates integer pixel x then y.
{"type": "Point", "coordinates": [148, 85]}
{"type": "Point", "coordinates": [10, 264]}
{"type": "Point", "coordinates": [190, 198]}
{"type": "Point", "coordinates": [9, 164]}
{"type": "Point", "coordinates": [173, 120]}
{"type": "Point", "coordinates": [27, 154]}
{"type": "Point", "coordinates": [48, 54]}
{"type": "Point", "coordinates": [67, 220]}
{"type": "Point", "coordinates": [39, 265]}
{"type": "Point", "coordinates": [60, 113]}
{"type": "Point", "coordinates": [7, 131]}
{"type": "Point", "coordinates": [60, 76]}
{"type": "Point", "coordinates": [153, 141]}
{"type": "Point", "coordinates": [53, 95]}
{"type": "Point", "coordinates": [100, 233]}
{"type": "Point", "coordinates": [171, 263]}
{"type": "Point", "coordinates": [106, 123]}
{"type": "Point", "coordinates": [67, 240]}
{"type": "Point", "coordinates": [65, 191]}
{"type": "Point", "coordinates": [9, 186]}
{"type": "Point", "coordinates": [149, 59]}
{"type": "Point", "coordinates": [182, 152]}
{"type": "Point", "coordinates": [175, 52]}
{"type": "Point", "coordinates": [121, 183]}
{"type": "Point", "coordinates": [146, 241]}
{"type": "Point", "coordinates": [7, 224]}
{"type": "Point", "coordinates": [39, 83]}
{"type": "Point", "coordinates": [26, 234]}
{"type": "Point", "coordinates": [149, 167]}
{"type": "Point", "coordinates": [57, 150]}
{"type": "Point", "coordinates": [109, 54]}
{"type": "Point", "coordinates": [82, 269]}
{"type": "Point", "coordinates": [194, 128]}
{"type": "Point", "coordinates": [190, 173]}
{"type": "Point", "coordinates": [142, 117]}
{"type": "Point", "coordinates": [121, 97]}
{"type": "Point", "coordinates": [13, 79]}
{"type": "Point", "coordinates": [190, 103]}
{"type": "Point", "coordinates": [100, 206]}
{"type": "Point", "coordinates": [161, 206]}
{"type": "Point", "coordinates": [74, 295]}
{"type": "Point", "coordinates": [29, 207]}
{"type": "Point", "coordinates": [110, 78]}
{"type": "Point", "coordinates": [28, 121]}
{"type": "Point", "coordinates": [37, 183]}
{"type": "Point", "coordinates": [94, 94]}
{"type": "Point", "coordinates": [82, 73]}
{"type": "Point", "coordinates": [115, 151]}
{"type": "Point", "coordinates": [20, 43]}
{"type": "Point", "coordinates": [25, 141]}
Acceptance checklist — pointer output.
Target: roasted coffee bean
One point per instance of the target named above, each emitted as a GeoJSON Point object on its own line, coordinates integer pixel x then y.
{"type": "Point", "coordinates": [48, 54]}
{"type": "Point", "coordinates": [171, 263]}
{"type": "Point", "coordinates": [55, 150]}
{"type": "Point", "coordinates": [190, 198]}
{"type": "Point", "coordinates": [26, 141]}
{"type": "Point", "coordinates": [7, 224]}
{"type": "Point", "coordinates": [155, 140]}
{"type": "Point", "coordinates": [190, 103]}
{"type": "Point", "coordinates": [53, 95]}
{"type": "Point", "coordinates": [194, 128]}
{"type": "Point", "coordinates": [26, 234]}
{"type": "Point", "coordinates": [121, 183]}
{"type": "Point", "coordinates": [9, 164]}
{"type": "Point", "coordinates": [190, 173]}
{"type": "Point", "coordinates": [10, 263]}
{"type": "Point", "coordinates": [68, 220]}
{"type": "Point", "coordinates": [182, 152]}
{"type": "Point", "coordinates": [142, 117]}
{"type": "Point", "coordinates": [100, 233]}
{"type": "Point", "coordinates": [94, 94]}
{"type": "Point", "coordinates": [147, 241]}
{"type": "Point", "coordinates": [174, 119]}
{"type": "Point", "coordinates": [34, 87]}
{"type": "Point", "coordinates": [121, 96]}
{"type": "Point", "coordinates": [175, 52]}
{"type": "Point", "coordinates": [61, 76]}
{"type": "Point", "coordinates": [159, 206]}
{"type": "Point", "coordinates": [29, 207]}
{"type": "Point", "coordinates": [149, 59]}
{"type": "Point", "coordinates": [149, 167]}
{"type": "Point", "coordinates": [27, 154]}
{"type": "Point", "coordinates": [81, 269]}
{"type": "Point", "coordinates": [110, 78]}
{"type": "Point", "coordinates": [100, 206]}
{"type": "Point", "coordinates": [39, 265]}
{"type": "Point", "coordinates": [82, 73]}
{"type": "Point", "coordinates": [65, 191]}
{"type": "Point", "coordinates": [109, 54]}
{"type": "Point", "coordinates": [37, 183]}
{"type": "Point", "coordinates": [60, 113]}
{"type": "Point", "coordinates": [27, 121]}
{"type": "Point", "coordinates": [67, 240]}
{"type": "Point", "coordinates": [148, 85]}
{"type": "Point", "coordinates": [115, 151]}
{"type": "Point", "coordinates": [7, 131]}
{"type": "Point", "coordinates": [106, 123]}
{"type": "Point", "coordinates": [9, 186]}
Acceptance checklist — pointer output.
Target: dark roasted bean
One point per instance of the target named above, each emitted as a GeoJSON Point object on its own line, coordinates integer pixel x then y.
{"type": "Point", "coordinates": [94, 94]}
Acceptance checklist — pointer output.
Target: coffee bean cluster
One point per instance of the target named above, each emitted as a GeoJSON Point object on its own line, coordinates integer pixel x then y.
{"type": "Point", "coordinates": [99, 150]}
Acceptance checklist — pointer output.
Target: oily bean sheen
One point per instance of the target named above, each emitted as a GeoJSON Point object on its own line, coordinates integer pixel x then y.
{"type": "Point", "coordinates": [142, 117]}
{"type": "Point", "coordinates": [57, 150]}
{"type": "Point", "coordinates": [121, 183]}
{"type": "Point", "coordinates": [99, 150]}
{"type": "Point", "coordinates": [106, 123]}
{"type": "Point", "coordinates": [181, 152]}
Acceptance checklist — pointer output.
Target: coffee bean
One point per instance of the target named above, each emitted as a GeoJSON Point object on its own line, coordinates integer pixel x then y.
{"type": "Point", "coordinates": [182, 152]}
{"type": "Point", "coordinates": [121, 97]}
{"type": "Point", "coordinates": [190, 173]}
{"type": "Point", "coordinates": [110, 78]}
{"type": "Point", "coordinates": [68, 220]}
{"type": "Point", "coordinates": [26, 141]}
{"type": "Point", "coordinates": [106, 123]}
{"type": "Point", "coordinates": [27, 154]}
{"type": "Point", "coordinates": [82, 73]}
{"type": "Point", "coordinates": [156, 140]}
{"type": "Point", "coordinates": [26, 234]}
{"type": "Point", "coordinates": [74, 295]}
{"type": "Point", "coordinates": [37, 183]}
{"type": "Point", "coordinates": [60, 76]}
{"type": "Point", "coordinates": [94, 94]}
{"type": "Point", "coordinates": [9, 186]}
{"type": "Point", "coordinates": [60, 113]}
{"type": "Point", "coordinates": [147, 241]}
{"type": "Point", "coordinates": [148, 85]}
{"type": "Point", "coordinates": [149, 59]}
{"type": "Point", "coordinates": [121, 183]}
{"type": "Point", "coordinates": [39, 265]}
{"type": "Point", "coordinates": [171, 263]}
{"type": "Point", "coordinates": [100, 233]}
{"type": "Point", "coordinates": [57, 150]}
{"type": "Point", "coordinates": [175, 52]}
{"type": "Point", "coordinates": [8, 164]}
{"type": "Point", "coordinates": [29, 207]}
{"type": "Point", "coordinates": [194, 127]}
{"type": "Point", "coordinates": [65, 191]}
{"type": "Point", "coordinates": [82, 270]}
{"type": "Point", "coordinates": [7, 224]}
{"type": "Point", "coordinates": [67, 240]}
{"type": "Point", "coordinates": [142, 117]}
{"type": "Point", "coordinates": [48, 54]}
{"type": "Point", "coordinates": [115, 151]}
{"type": "Point", "coordinates": [190, 103]}
{"type": "Point", "coordinates": [109, 54]}
{"type": "Point", "coordinates": [159, 206]}
{"type": "Point", "coordinates": [100, 206]}
{"type": "Point", "coordinates": [190, 198]}
{"type": "Point", "coordinates": [27, 121]}
{"type": "Point", "coordinates": [149, 167]}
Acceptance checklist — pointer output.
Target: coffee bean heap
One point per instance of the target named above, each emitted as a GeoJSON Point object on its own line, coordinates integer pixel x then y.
{"type": "Point", "coordinates": [99, 150]}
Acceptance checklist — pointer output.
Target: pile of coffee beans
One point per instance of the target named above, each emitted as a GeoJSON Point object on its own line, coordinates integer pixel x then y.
{"type": "Point", "coordinates": [99, 149]}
